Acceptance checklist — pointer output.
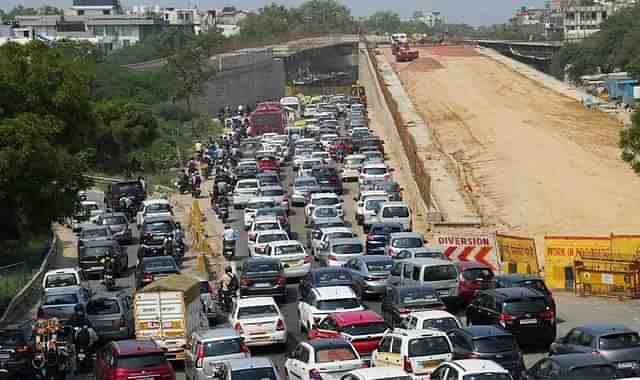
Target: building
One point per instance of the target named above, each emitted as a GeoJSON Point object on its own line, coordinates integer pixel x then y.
{"type": "Point", "coordinates": [94, 8]}
{"type": "Point", "coordinates": [230, 16]}
{"type": "Point", "coordinates": [581, 21]}
{"type": "Point", "coordinates": [431, 19]}
{"type": "Point", "coordinates": [529, 16]}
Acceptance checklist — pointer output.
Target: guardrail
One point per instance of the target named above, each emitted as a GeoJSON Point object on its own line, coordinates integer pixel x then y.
{"type": "Point", "coordinates": [98, 179]}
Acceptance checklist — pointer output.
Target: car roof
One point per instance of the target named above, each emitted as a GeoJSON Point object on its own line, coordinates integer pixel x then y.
{"type": "Point", "coordinates": [249, 363]}
{"type": "Point", "coordinates": [329, 230]}
{"type": "Point", "coordinates": [356, 317]}
{"type": "Point", "coordinates": [485, 330]}
{"type": "Point", "coordinates": [304, 178]}
{"type": "Point", "coordinates": [155, 201]}
{"type": "Point", "coordinates": [432, 314]}
{"type": "Point", "coordinates": [282, 243]}
{"type": "Point", "coordinates": [324, 195]}
{"type": "Point", "coordinates": [345, 241]}
{"type": "Point", "coordinates": [379, 373]}
{"type": "Point", "coordinates": [98, 243]}
{"type": "Point", "coordinates": [132, 347]}
{"type": "Point", "coordinates": [374, 165]}
{"type": "Point", "coordinates": [265, 219]}
{"type": "Point", "coordinates": [63, 289]}
{"type": "Point", "coordinates": [395, 204]}
{"type": "Point", "coordinates": [324, 270]}
{"type": "Point", "coordinates": [376, 259]}
{"type": "Point", "coordinates": [516, 292]}
{"type": "Point", "coordinates": [90, 226]}
{"type": "Point", "coordinates": [269, 232]}
{"type": "Point", "coordinates": [355, 156]}
{"type": "Point", "coordinates": [417, 332]}
{"type": "Point", "coordinates": [517, 277]}
{"type": "Point", "coordinates": [579, 360]}
{"type": "Point", "coordinates": [470, 366]}
{"type": "Point", "coordinates": [387, 224]}
{"type": "Point", "coordinates": [397, 235]}
{"type": "Point", "coordinates": [274, 187]}
{"type": "Point", "coordinates": [431, 261]}
{"type": "Point", "coordinates": [156, 258]}
{"type": "Point", "coordinates": [333, 292]}
{"type": "Point", "coordinates": [323, 344]}
{"type": "Point", "coordinates": [159, 218]}
{"type": "Point", "coordinates": [421, 288]}
{"type": "Point", "coordinates": [89, 203]}
{"type": "Point", "coordinates": [111, 214]}
{"type": "Point", "coordinates": [218, 333]}
{"type": "Point", "coordinates": [261, 199]}
{"type": "Point", "coordinates": [605, 329]}
{"type": "Point", "coordinates": [255, 301]}
{"type": "Point", "coordinates": [75, 270]}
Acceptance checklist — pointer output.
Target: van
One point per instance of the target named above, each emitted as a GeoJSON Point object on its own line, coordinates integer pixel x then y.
{"type": "Point", "coordinates": [442, 275]}
{"type": "Point", "coordinates": [394, 212]}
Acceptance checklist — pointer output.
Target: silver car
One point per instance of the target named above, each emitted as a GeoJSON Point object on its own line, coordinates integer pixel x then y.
{"type": "Point", "coordinates": [61, 302]}
{"type": "Point", "coordinates": [206, 349]}
{"type": "Point", "coordinates": [370, 273]}
{"type": "Point", "coordinates": [244, 191]}
{"type": "Point", "coordinates": [250, 368]}
{"type": "Point", "coordinates": [119, 226]}
{"type": "Point", "coordinates": [303, 186]}
{"type": "Point", "coordinates": [341, 250]}
{"type": "Point", "coordinates": [111, 315]}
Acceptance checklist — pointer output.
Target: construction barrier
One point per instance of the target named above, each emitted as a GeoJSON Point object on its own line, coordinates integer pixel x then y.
{"type": "Point", "coordinates": [198, 237]}
{"type": "Point", "coordinates": [469, 247]}
{"type": "Point", "coordinates": [560, 252]}
{"type": "Point", "coordinates": [517, 254]}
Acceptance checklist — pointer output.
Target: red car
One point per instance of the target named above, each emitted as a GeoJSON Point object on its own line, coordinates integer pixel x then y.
{"type": "Point", "coordinates": [132, 359]}
{"type": "Point", "coordinates": [267, 162]}
{"type": "Point", "coordinates": [363, 329]}
{"type": "Point", "coordinates": [473, 277]}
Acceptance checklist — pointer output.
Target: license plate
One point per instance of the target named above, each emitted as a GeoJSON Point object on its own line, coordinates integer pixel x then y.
{"type": "Point", "coordinates": [528, 321]}
{"type": "Point", "coordinates": [430, 364]}
{"type": "Point", "coordinates": [292, 263]}
{"type": "Point", "coordinates": [262, 285]}
{"type": "Point", "coordinates": [620, 365]}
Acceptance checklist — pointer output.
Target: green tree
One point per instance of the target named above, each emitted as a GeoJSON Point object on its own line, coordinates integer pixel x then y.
{"type": "Point", "coordinates": [383, 22]}
{"type": "Point", "coordinates": [325, 16]}
{"type": "Point", "coordinates": [630, 143]}
{"type": "Point", "coordinates": [270, 22]}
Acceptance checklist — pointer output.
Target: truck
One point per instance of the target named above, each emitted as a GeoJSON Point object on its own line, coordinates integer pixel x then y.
{"type": "Point", "coordinates": [268, 117]}
{"type": "Point", "coordinates": [168, 311]}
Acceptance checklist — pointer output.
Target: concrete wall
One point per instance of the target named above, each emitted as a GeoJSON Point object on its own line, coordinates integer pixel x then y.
{"type": "Point", "coordinates": [337, 58]}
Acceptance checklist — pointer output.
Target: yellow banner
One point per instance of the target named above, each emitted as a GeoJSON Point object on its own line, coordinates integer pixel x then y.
{"type": "Point", "coordinates": [517, 254]}
{"type": "Point", "coordinates": [625, 247]}
{"type": "Point", "coordinates": [560, 251]}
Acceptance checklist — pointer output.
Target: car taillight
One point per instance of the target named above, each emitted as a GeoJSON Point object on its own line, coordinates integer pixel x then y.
{"type": "Point", "coordinates": [407, 365]}
{"type": "Point", "coordinates": [238, 328]}
{"type": "Point", "coordinates": [547, 315]}
{"type": "Point", "coordinates": [314, 374]}
{"type": "Point", "coordinates": [471, 355]}
{"type": "Point", "coordinates": [259, 249]}
{"type": "Point", "coordinates": [333, 178]}
{"type": "Point", "coordinates": [200, 356]}
{"type": "Point", "coordinates": [147, 276]}
{"type": "Point", "coordinates": [244, 348]}
{"type": "Point", "coordinates": [23, 349]}
{"type": "Point", "coordinates": [333, 258]}
{"type": "Point", "coordinates": [280, 325]}
{"type": "Point", "coordinates": [307, 259]}
{"type": "Point", "coordinates": [281, 280]}
{"type": "Point", "coordinates": [386, 176]}
{"type": "Point", "coordinates": [506, 319]}
{"type": "Point", "coordinates": [402, 310]}
{"type": "Point", "coordinates": [364, 365]}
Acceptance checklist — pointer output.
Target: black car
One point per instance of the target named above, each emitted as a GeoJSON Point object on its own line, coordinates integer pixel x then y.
{"type": "Point", "coordinates": [522, 311]}
{"type": "Point", "coordinates": [246, 172]}
{"type": "Point", "coordinates": [489, 343]}
{"type": "Point", "coordinates": [328, 178]}
{"type": "Point", "coordinates": [516, 280]}
{"type": "Point", "coordinates": [153, 268]}
{"type": "Point", "coordinates": [263, 276]}
{"type": "Point", "coordinates": [321, 277]}
{"type": "Point", "coordinates": [15, 350]}
{"type": "Point", "coordinates": [132, 189]}
{"type": "Point", "coordinates": [572, 367]}
{"type": "Point", "coordinates": [399, 301]}
{"type": "Point", "coordinates": [313, 229]}
{"type": "Point", "coordinates": [92, 252]}
{"type": "Point", "coordinates": [119, 226]}
{"type": "Point", "coordinates": [155, 229]}
{"type": "Point", "coordinates": [378, 236]}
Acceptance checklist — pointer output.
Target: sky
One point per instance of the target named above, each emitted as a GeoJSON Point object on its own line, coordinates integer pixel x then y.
{"type": "Point", "coordinates": [474, 12]}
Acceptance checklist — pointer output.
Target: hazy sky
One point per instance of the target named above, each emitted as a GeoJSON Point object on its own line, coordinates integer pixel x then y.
{"type": "Point", "coordinates": [475, 12]}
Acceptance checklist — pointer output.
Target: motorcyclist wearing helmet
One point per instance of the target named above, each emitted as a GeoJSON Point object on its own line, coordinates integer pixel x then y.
{"type": "Point", "coordinates": [230, 234]}
{"type": "Point", "coordinates": [229, 280]}
{"type": "Point", "coordinates": [79, 318]}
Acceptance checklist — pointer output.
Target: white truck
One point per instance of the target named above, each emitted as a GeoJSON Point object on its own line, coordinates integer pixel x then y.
{"type": "Point", "coordinates": [168, 311]}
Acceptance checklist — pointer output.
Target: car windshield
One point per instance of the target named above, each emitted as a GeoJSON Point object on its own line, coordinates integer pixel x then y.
{"type": "Point", "coordinates": [365, 329]}
{"type": "Point", "coordinates": [431, 255]}
{"type": "Point", "coordinates": [409, 242]}
{"type": "Point", "coordinates": [379, 266]}
{"type": "Point", "coordinates": [222, 347]}
{"type": "Point", "coordinates": [114, 220]}
{"type": "Point", "coordinates": [374, 204]}
{"type": "Point", "coordinates": [594, 372]}
{"type": "Point", "coordinates": [310, 164]}
{"type": "Point", "coordinates": [128, 188]}
{"type": "Point", "coordinates": [618, 341]}
{"type": "Point", "coordinates": [427, 346]}
{"type": "Point", "coordinates": [442, 324]}
{"type": "Point", "coordinates": [268, 238]}
{"type": "Point", "coordinates": [385, 230]}
{"type": "Point", "coordinates": [418, 296]}
{"type": "Point", "coordinates": [325, 201]}
{"type": "Point", "coordinates": [159, 263]}
{"type": "Point", "coordinates": [249, 312]}
{"type": "Point", "coordinates": [395, 212]}
{"type": "Point", "coordinates": [534, 284]}
{"type": "Point", "coordinates": [487, 376]}
{"type": "Point", "coordinates": [335, 354]}
{"type": "Point", "coordinates": [273, 193]}
{"type": "Point", "coordinates": [329, 278]}
{"type": "Point", "coordinates": [103, 306]}
{"type": "Point", "coordinates": [257, 205]}
{"type": "Point", "coordinates": [267, 226]}
{"type": "Point", "coordinates": [262, 267]}
{"type": "Point", "coordinates": [270, 212]}
{"type": "Point", "coordinates": [254, 374]}
{"type": "Point", "coordinates": [354, 162]}
{"type": "Point", "coordinates": [440, 273]}
{"type": "Point", "coordinates": [347, 249]}
{"type": "Point", "coordinates": [158, 207]}
{"type": "Point", "coordinates": [11, 338]}
{"type": "Point", "coordinates": [375, 171]}
{"type": "Point", "coordinates": [326, 212]}
{"type": "Point", "coordinates": [158, 227]}
{"type": "Point", "coordinates": [293, 249]}
{"type": "Point", "coordinates": [140, 361]}
{"type": "Point", "coordinates": [524, 306]}
{"type": "Point", "coordinates": [247, 185]}
{"type": "Point", "coordinates": [59, 280]}
{"type": "Point", "coordinates": [338, 304]}
{"type": "Point", "coordinates": [94, 251]}
{"type": "Point", "coordinates": [477, 274]}
{"type": "Point", "coordinates": [93, 233]}
{"type": "Point", "coordinates": [60, 299]}
{"type": "Point", "coordinates": [306, 183]}
{"type": "Point", "coordinates": [492, 344]}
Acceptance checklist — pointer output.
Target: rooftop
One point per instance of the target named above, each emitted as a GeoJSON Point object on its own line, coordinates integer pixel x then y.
{"type": "Point", "coordinates": [96, 3]}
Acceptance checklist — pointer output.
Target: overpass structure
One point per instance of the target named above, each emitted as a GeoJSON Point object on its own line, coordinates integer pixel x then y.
{"type": "Point", "coordinates": [530, 50]}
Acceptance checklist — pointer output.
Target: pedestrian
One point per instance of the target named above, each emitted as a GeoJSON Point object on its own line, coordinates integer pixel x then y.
{"type": "Point", "coordinates": [142, 183]}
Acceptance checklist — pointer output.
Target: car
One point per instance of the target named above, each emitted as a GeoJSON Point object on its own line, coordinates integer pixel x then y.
{"type": "Point", "coordinates": [361, 198]}
{"type": "Point", "coordinates": [252, 206]}
{"type": "Point", "coordinates": [111, 315]}
{"type": "Point", "coordinates": [61, 302]}
{"type": "Point", "coordinates": [208, 348]}
{"type": "Point", "coordinates": [528, 281]}
{"type": "Point", "coordinates": [488, 343]}
{"type": "Point", "coordinates": [246, 369]}
{"type": "Point", "coordinates": [328, 178]}
{"type": "Point", "coordinates": [62, 277]}
{"type": "Point", "coordinates": [263, 276]}
{"type": "Point", "coordinates": [318, 359]}
{"type": "Point", "coordinates": [320, 302]}
{"type": "Point", "coordinates": [16, 353]}
{"type": "Point", "coordinates": [91, 233]}
{"type": "Point", "coordinates": [325, 156]}
{"type": "Point", "coordinates": [91, 254]}
{"type": "Point", "coordinates": [326, 235]}
{"type": "Point", "coordinates": [132, 189]}
{"type": "Point", "coordinates": [431, 319]}
{"type": "Point", "coordinates": [267, 179]}
{"type": "Point", "coordinates": [617, 343]}
{"type": "Point", "coordinates": [323, 199]}
{"type": "Point", "coordinates": [372, 156]}
{"type": "Point", "coordinates": [418, 352]}
{"type": "Point", "coordinates": [246, 172]}
{"type": "Point", "coordinates": [321, 277]}
{"type": "Point", "coordinates": [322, 213]}
{"type": "Point", "coordinates": [153, 207]}
{"type": "Point", "coordinates": [363, 329]}
{"type": "Point", "coordinates": [351, 167]}
{"type": "Point", "coordinates": [267, 161]}
{"type": "Point", "coordinates": [357, 132]}
{"type": "Point", "coordinates": [399, 301]}
{"type": "Point", "coordinates": [294, 258]}
{"type": "Point", "coordinates": [377, 373]}
{"type": "Point", "coordinates": [374, 170]}
{"type": "Point", "coordinates": [572, 366]}
{"type": "Point", "coordinates": [263, 223]}
{"type": "Point", "coordinates": [378, 235]}
{"type": "Point", "coordinates": [401, 241]}
{"type": "Point", "coordinates": [370, 211]}
{"type": "Point", "coordinates": [522, 311]}
{"type": "Point", "coordinates": [118, 225]}
{"type": "Point", "coordinates": [370, 274]}
{"type": "Point", "coordinates": [302, 187]}
{"type": "Point", "coordinates": [474, 276]}
{"type": "Point", "coordinates": [126, 359]}
{"type": "Point", "coordinates": [328, 139]}
{"type": "Point", "coordinates": [150, 269]}
{"type": "Point", "coordinates": [428, 251]}
{"type": "Point", "coordinates": [397, 212]}
{"type": "Point", "coordinates": [277, 194]}
{"type": "Point", "coordinates": [84, 215]}
{"type": "Point", "coordinates": [314, 230]}
{"type": "Point", "coordinates": [245, 190]}
{"type": "Point", "coordinates": [307, 165]}
{"type": "Point", "coordinates": [441, 275]}
{"type": "Point", "coordinates": [259, 241]}
{"type": "Point", "coordinates": [258, 321]}
{"type": "Point", "coordinates": [279, 213]}
{"type": "Point", "coordinates": [470, 369]}
{"type": "Point", "coordinates": [155, 229]}
{"type": "Point", "coordinates": [340, 251]}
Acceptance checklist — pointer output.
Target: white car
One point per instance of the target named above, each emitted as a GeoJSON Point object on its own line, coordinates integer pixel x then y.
{"type": "Point", "coordinates": [431, 319]}
{"type": "Point", "coordinates": [377, 373]}
{"type": "Point", "coordinates": [258, 244]}
{"type": "Point", "coordinates": [266, 137]}
{"type": "Point", "coordinates": [264, 223]}
{"type": "Point", "coordinates": [153, 207]}
{"type": "Point", "coordinates": [360, 131]}
{"type": "Point", "coordinates": [421, 351]}
{"type": "Point", "coordinates": [394, 212]}
{"type": "Point", "coordinates": [373, 156]}
{"type": "Point", "coordinates": [322, 359]}
{"type": "Point", "coordinates": [300, 155]}
{"type": "Point", "coordinates": [470, 369]}
{"type": "Point", "coordinates": [307, 165]}
{"type": "Point", "coordinates": [62, 277]}
{"type": "Point", "coordinates": [323, 199]}
{"type": "Point", "coordinates": [245, 190]}
{"type": "Point", "coordinates": [277, 194]}
{"type": "Point", "coordinates": [252, 206]}
{"type": "Point", "coordinates": [351, 167]}
{"type": "Point", "coordinates": [374, 170]}
{"type": "Point", "coordinates": [328, 139]}
{"type": "Point", "coordinates": [362, 198]}
{"type": "Point", "coordinates": [328, 234]}
{"type": "Point", "coordinates": [258, 321]}
{"type": "Point", "coordinates": [291, 253]}
{"type": "Point", "coordinates": [89, 213]}
{"type": "Point", "coordinates": [324, 156]}
{"type": "Point", "coordinates": [248, 162]}
{"type": "Point", "coordinates": [370, 210]}
{"type": "Point", "coordinates": [320, 302]}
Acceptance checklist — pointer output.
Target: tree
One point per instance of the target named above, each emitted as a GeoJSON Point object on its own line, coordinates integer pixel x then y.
{"type": "Point", "coordinates": [630, 143]}
{"type": "Point", "coordinates": [383, 22]}
{"type": "Point", "coordinates": [270, 22]}
{"type": "Point", "coordinates": [325, 16]}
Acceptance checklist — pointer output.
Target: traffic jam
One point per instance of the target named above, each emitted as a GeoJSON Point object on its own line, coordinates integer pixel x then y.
{"type": "Point", "coordinates": [324, 277]}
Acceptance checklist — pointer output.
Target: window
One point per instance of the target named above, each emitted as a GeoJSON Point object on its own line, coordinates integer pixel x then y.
{"type": "Point", "coordinates": [493, 344]}
{"type": "Point", "coordinates": [416, 274]}
{"type": "Point", "coordinates": [333, 354]}
{"type": "Point", "coordinates": [407, 271]}
{"type": "Point", "coordinates": [440, 273]}
{"type": "Point", "coordinates": [442, 324]}
{"type": "Point", "coordinates": [337, 304]}
{"type": "Point", "coordinates": [593, 372]}
{"type": "Point", "coordinates": [396, 346]}
{"type": "Point", "coordinates": [103, 306]}
{"type": "Point", "coordinates": [141, 361]}
{"type": "Point", "coordinates": [60, 299]}
{"type": "Point", "coordinates": [459, 340]}
{"type": "Point", "coordinates": [249, 312]}
{"type": "Point", "coordinates": [222, 347]}
{"type": "Point", "coordinates": [60, 280]}
{"type": "Point", "coordinates": [618, 341]}
{"type": "Point", "coordinates": [263, 373]}
{"type": "Point", "coordinates": [106, 12]}
{"type": "Point", "coordinates": [328, 324]}
{"type": "Point", "coordinates": [477, 274]}
{"type": "Point", "coordinates": [303, 355]}
{"type": "Point", "coordinates": [385, 344]}
{"type": "Point", "coordinates": [80, 12]}
{"type": "Point", "coordinates": [426, 346]}
{"type": "Point", "coordinates": [526, 305]}
{"type": "Point", "coordinates": [395, 212]}
{"type": "Point", "coordinates": [574, 337]}
{"type": "Point", "coordinates": [409, 242]}
{"type": "Point", "coordinates": [586, 340]}
{"type": "Point", "coordinates": [395, 271]}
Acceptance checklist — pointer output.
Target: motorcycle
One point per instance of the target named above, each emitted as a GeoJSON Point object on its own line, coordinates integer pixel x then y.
{"type": "Point", "coordinates": [225, 298]}
{"type": "Point", "coordinates": [84, 338]}
{"type": "Point", "coordinates": [228, 249]}
{"type": "Point", "coordinates": [108, 277]}
{"type": "Point", "coordinates": [195, 192]}
{"type": "Point", "coordinates": [223, 212]}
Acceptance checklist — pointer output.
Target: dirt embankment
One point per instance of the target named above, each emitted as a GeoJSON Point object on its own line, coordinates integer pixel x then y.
{"type": "Point", "coordinates": [538, 162]}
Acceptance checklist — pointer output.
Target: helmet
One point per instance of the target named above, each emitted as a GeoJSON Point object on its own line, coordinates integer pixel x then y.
{"type": "Point", "coordinates": [228, 269]}
{"type": "Point", "coordinates": [240, 107]}
{"type": "Point", "coordinates": [226, 226]}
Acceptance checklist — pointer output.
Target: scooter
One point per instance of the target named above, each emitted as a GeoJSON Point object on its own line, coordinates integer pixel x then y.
{"type": "Point", "coordinates": [228, 249]}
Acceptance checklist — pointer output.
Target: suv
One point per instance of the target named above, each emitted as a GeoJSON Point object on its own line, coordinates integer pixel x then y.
{"type": "Point", "coordinates": [379, 234]}
{"type": "Point", "coordinates": [323, 199]}
{"type": "Point", "coordinates": [522, 311]}
{"type": "Point", "coordinates": [401, 241]}
{"type": "Point", "coordinates": [118, 190]}
{"type": "Point", "coordinates": [155, 229]}
{"type": "Point", "coordinates": [328, 178]}
{"type": "Point", "coordinates": [93, 233]}
{"type": "Point", "coordinates": [91, 253]}
{"type": "Point", "coordinates": [320, 302]}
{"type": "Point", "coordinates": [58, 278]}
{"type": "Point", "coordinates": [419, 352]}
{"type": "Point", "coordinates": [209, 347]}
{"type": "Point", "coordinates": [263, 276]}
{"type": "Point", "coordinates": [470, 369]}
{"type": "Point", "coordinates": [118, 225]}
{"type": "Point", "coordinates": [473, 277]}
{"type": "Point", "coordinates": [111, 315]}
{"type": "Point", "coordinates": [528, 281]}
{"type": "Point", "coordinates": [15, 350]}
{"type": "Point", "coordinates": [127, 359]}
